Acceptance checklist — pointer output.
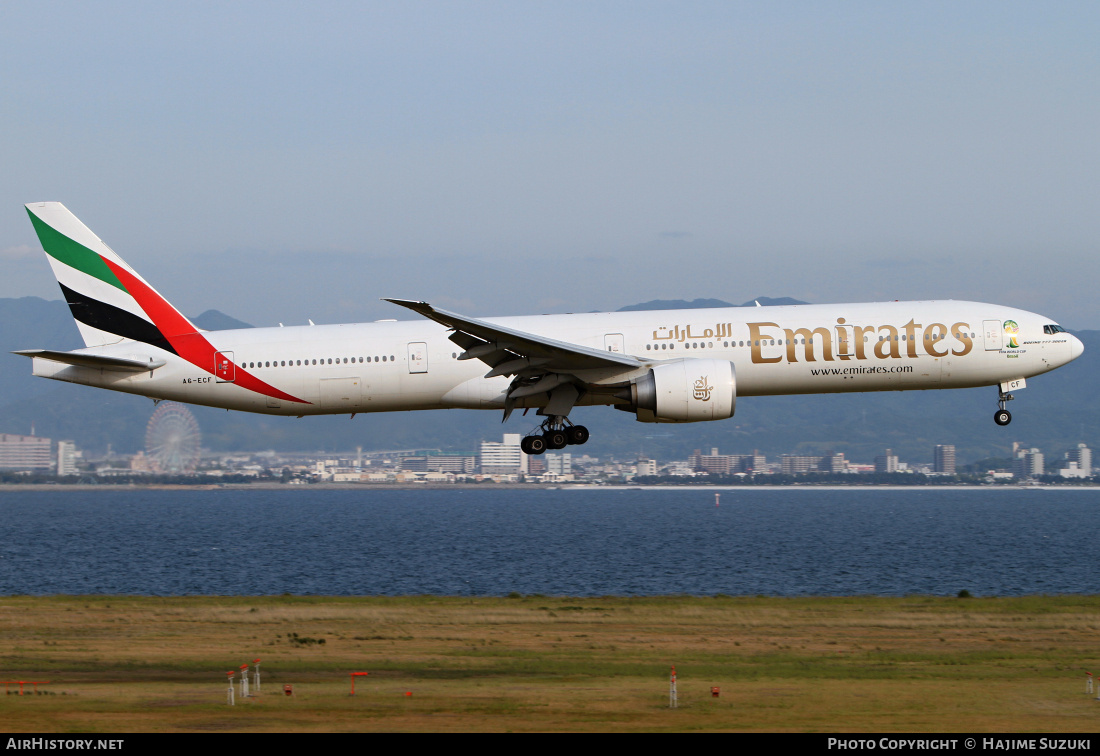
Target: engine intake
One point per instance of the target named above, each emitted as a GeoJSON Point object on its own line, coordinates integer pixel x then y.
{"type": "Point", "coordinates": [687, 391]}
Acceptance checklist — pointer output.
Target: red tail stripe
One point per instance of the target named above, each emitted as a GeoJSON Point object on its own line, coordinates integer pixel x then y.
{"type": "Point", "coordinates": [188, 343]}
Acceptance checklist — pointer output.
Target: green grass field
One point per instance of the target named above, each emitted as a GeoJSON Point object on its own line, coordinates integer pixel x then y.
{"type": "Point", "coordinates": [140, 664]}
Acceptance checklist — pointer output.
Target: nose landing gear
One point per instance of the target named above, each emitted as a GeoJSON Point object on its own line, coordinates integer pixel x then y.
{"type": "Point", "coordinates": [557, 433]}
{"type": "Point", "coordinates": [1002, 416]}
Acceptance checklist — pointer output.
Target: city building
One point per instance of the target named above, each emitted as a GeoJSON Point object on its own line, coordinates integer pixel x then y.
{"type": "Point", "coordinates": [943, 459]}
{"type": "Point", "coordinates": [725, 464]}
{"type": "Point", "coordinates": [25, 453]}
{"type": "Point", "coordinates": [796, 464]}
{"type": "Point", "coordinates": [433, 461]}
{"type": "Point", "coordinates": [887, 463]}
{"type": "Point", "coordinates": [559, 463]}
{"type": "Point", "coordinates": [1029, 463]}
{"type": "Point", "coordinates": [755, 462]}
{"type": "Point", "coordinates": [66, 458]}
{"type": "Point", "coordinates": [504, 458]}
{"type": "Point", "coordinates": [1078, 463]}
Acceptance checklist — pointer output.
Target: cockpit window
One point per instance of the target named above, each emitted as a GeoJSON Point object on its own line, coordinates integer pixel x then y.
{"type": "Point", "coordinates": [1053, 329]}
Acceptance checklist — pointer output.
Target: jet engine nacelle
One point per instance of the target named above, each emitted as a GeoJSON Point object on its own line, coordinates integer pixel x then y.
{"type": "Point", "coordinates": [688, 391]}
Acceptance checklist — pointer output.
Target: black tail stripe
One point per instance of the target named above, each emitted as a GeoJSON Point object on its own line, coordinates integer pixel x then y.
{"type": "Point", "coordinates": [114, 320]}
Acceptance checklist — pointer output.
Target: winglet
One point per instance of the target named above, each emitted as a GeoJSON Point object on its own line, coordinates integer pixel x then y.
{"type": "Point", "coordinates": [420, 308]}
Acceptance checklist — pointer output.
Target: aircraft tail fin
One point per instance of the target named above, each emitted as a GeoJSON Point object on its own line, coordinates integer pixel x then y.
{"type": "Point", "coordinates": [109, 300]}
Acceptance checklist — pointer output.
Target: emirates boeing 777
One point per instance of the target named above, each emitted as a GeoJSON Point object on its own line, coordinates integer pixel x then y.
{"type": "Point", "coordinates": [665, 366]}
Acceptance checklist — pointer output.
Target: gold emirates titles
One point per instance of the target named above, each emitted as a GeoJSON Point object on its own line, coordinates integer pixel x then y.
{"type": "Point", "coordinates": [932, 337]}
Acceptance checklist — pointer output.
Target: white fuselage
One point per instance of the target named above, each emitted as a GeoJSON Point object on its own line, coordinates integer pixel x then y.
{"type": "Point", "coordinates": [412, 365]}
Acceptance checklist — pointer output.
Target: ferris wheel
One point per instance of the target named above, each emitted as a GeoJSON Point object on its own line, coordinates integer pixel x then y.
{"type": "Point", "coordinates": [172, 439]}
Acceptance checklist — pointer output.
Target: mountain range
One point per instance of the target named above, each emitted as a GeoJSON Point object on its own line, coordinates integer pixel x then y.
{"type": "Point", "coordinates": [1054, 413]}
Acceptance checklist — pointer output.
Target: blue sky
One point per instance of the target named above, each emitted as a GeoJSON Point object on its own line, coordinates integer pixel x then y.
{"type": "Point", "coordinates": [284, 161]}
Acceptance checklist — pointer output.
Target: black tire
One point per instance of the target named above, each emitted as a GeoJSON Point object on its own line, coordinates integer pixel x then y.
{"type": "Point", "coordinates": [1002, 417]}
{"type": "Point", "coordinates": [555, 439]}
{"type": "Point", "coordinates": [533, 445]}
{"type": "Point", "coordinates": [577, 434]}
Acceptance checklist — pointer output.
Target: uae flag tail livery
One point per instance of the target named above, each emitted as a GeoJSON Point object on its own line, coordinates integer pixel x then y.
{"type": "Point", "coordinates": [112, 304]}
{"type": "Point", "coordinates": [108, 299]}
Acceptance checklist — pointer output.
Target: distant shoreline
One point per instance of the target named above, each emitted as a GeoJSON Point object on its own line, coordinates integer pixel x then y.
{"type": "Point", "coordinates": [717, 488]}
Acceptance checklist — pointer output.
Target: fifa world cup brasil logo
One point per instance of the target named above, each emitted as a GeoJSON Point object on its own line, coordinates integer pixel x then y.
{"type": "Point", "coordinates": [1011, 331]}
{"type": "Point", "coordinates": [702, 390]}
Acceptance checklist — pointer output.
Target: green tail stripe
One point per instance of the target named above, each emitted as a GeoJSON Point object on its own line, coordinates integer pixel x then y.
{"type": "Point", "coordinates": [61, 247]}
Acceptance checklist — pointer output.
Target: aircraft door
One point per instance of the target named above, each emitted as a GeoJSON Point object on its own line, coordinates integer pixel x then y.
{"type": "Point", "coordinates": [993, 335]}
{"type": "Point", "coordinates": [613, 342]}
{"type": "Point", "coordinates": [225, 370]}
{"type": "Point", "coordinates": [844, 347]}
{"type": "Point", "coordinates": [418, 357]}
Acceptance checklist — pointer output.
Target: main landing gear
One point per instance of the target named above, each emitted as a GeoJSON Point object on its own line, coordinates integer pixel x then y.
{"type": "Point", "coordinates": [1003, 416]}
{"type": "Point", "coordinates": [557, 433]}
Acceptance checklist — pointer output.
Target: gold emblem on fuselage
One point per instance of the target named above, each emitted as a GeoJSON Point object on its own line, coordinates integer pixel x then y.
{"type": "Point", "coordinates": [702, 390]}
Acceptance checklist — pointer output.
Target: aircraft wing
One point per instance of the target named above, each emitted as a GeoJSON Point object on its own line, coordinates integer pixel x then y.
{"type": "Point", "coordinates": [539, 364]}
{"type": "Point", "coordinates": [99, 361]}
{"type": "Point", "coordinates": [552, 354]}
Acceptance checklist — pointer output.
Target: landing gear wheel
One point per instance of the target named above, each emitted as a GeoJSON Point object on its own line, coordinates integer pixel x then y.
{"type": "Point", "coordinates": [577, 434]}
{"type": "Point", "coordinates": [1002, 417]}
{"type": "Point", "coordinates": [555, 439]}
{"type": "Point", "coordinates": [532, 445]}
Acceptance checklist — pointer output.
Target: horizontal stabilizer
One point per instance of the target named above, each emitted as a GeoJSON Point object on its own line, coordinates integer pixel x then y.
{"type": "Point", "coordinates": [98, 361]}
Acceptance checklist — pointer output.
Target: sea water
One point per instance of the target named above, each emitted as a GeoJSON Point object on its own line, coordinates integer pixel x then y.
{"type": "Point", "coordinates": [579, 542]}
